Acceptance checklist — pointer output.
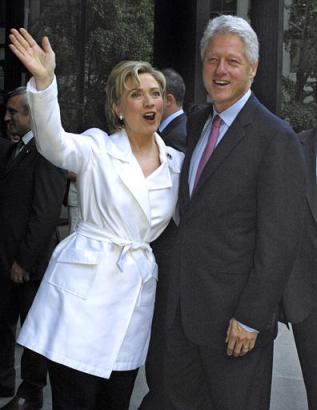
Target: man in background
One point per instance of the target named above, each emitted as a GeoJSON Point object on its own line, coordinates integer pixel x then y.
{"type": "Point", "coordinates": [31, 194]}
{"type": "Point", "coordinates": [173, 126]}
{"type": "Point", "coordinates": [300, 297]}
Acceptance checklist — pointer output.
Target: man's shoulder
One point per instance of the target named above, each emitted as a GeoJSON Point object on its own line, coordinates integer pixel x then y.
{"type": "Point", "coordinates": [308, 135]}
{"type": "Point", "coordinates": [177, 124]}
{"type": "Point", "coordinates": [264, 120]}
{"type": "Point", "coordinates": [198, 115]}
{"type": "Point", "coordinates": [5, 147]}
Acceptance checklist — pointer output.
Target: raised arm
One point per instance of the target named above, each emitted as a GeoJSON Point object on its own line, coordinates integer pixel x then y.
{"type": "Point", "coordinates": [39, 61]}
{"type": "Point", "coordinates": [66, 150]}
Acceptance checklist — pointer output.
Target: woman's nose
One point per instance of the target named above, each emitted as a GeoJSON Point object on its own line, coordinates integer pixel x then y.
{"type": "Point", "coordinates": [148, 100]}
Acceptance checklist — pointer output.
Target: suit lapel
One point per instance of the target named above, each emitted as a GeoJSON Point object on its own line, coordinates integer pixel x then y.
{"type": "Point", "coordinates": [195, 129]}
{"type": "Point", "coordinates": [27, 149]}
{"type": "Point", "coordinates": [231, 139]}
{"type": "Point", "coordinates": [309, 142]}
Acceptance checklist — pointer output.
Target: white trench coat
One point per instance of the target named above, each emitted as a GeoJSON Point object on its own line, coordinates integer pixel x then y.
{"type": "Point", "coordinates": [94, 308]}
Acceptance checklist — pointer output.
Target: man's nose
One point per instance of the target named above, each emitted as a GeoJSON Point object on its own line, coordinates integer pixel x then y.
{"type": "Point", "coordinates": [221, 67]}
{"type": "Point", "coordinates": [7, 116]}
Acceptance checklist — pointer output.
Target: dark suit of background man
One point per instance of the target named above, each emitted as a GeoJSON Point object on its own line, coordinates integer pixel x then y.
{"type": "Point", "coordinates": [240, 226]}
{"type": "Point", "coordinates": [173, 126]}
{"type": "Point", "coordinates": [31, 194]}
{"type": "Point", "coordinates": [300, 298]}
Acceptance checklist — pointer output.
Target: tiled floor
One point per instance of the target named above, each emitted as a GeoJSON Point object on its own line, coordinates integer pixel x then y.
{"type": "Point", "coordinates": [288, 392]}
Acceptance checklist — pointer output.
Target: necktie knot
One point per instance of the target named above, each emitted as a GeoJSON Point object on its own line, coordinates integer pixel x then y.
{"type": "Point", "coordinates": [19, 147]}
{"type": "Point", "coordinates": [216, 122]}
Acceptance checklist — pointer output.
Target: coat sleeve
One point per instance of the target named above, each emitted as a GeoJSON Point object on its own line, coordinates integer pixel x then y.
{"type": "Point", "coordinates": [49, 190]}
{"type": "Point", "coordinates": [65, 150]}
{"type": "Point", "coordinates": [279, 222]}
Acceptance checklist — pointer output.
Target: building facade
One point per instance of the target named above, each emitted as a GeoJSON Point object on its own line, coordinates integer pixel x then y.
{"type": "Point", "coordinates": [168, 34]}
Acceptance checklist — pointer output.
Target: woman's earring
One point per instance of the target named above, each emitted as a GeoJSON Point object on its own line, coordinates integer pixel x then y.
{"type": "Point", "coordinates": [121, 117]}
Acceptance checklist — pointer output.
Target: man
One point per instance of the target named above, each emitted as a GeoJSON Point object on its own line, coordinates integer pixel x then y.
{"type": "Point", "coordinates": [31, 194]}
{"type": "Point", "coordinates": [300, 296]}
{"type": "Point", "coordinates": [173, 126]}
{"type": "Point", "coordinates": [240, 226]}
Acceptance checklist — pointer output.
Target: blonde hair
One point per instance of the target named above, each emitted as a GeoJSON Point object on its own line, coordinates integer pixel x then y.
{"type": "Point", "coordinates": [116, 85]}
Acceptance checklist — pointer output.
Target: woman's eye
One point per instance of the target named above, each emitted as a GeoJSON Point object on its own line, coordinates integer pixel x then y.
{"type": "Point", "coordinates": [135, 94]}
{"type": "Point", "coordinates": [156, 93]}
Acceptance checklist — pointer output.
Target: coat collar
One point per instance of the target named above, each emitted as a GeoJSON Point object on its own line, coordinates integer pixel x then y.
{"type": "Point", "coordinates": [130, 172]}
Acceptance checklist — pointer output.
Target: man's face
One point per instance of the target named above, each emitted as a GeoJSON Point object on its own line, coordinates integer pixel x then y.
{"type": "Point", "coordinates": [227, 73]}
{"type": "Point", "coordinates": [18, 123]}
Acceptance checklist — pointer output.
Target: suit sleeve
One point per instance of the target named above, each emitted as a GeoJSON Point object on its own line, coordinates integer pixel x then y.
{"type": "Point", "coordinates": [279, 221]}
{"type": "Point", "coordinates": [49, 190]}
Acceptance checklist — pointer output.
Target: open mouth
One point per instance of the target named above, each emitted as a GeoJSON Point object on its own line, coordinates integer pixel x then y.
{"type": "Point", "coordinates": [149, 116]}
{"type": "Point", "coordinates": [221, 83]}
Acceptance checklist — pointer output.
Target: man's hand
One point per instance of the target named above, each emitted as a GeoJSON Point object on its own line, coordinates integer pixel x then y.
{"type": "Point", "coordinates": [239, 341]}
{"type": "Point", "coordinates": [18, 274]}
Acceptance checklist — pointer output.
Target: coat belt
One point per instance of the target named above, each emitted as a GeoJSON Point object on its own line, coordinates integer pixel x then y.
{"type": "Point", "coordinates": [141, 252]}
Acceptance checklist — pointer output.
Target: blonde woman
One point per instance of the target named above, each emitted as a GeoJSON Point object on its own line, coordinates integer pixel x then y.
{"type": "Point", "coordinates": [92, 315]}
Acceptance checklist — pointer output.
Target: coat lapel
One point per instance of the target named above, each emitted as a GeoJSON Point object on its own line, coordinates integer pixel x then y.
{"type": "Point", "coordinates": [128, 169]}
{"type": "Point", "coordinates": [309, 142]}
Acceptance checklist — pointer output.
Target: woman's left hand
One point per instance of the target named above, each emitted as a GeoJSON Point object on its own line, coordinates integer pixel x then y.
{"type": "Point", "coordinates": [39, 61]}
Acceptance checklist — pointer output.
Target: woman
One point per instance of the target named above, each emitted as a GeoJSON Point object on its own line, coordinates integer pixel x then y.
{"type": "Point", "coordinates": [92, 314]}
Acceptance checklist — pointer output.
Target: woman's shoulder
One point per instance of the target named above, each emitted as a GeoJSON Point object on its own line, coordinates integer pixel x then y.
{"type": "Point", "coordinates": [98, 136]}
{"type": "Point", "coordinates": [175, 158]}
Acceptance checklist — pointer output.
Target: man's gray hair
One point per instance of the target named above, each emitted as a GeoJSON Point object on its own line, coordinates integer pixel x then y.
{"type": "Point", "coordinates": [23, 92]}
{"type": "Point", "coordinates": [227, 24]}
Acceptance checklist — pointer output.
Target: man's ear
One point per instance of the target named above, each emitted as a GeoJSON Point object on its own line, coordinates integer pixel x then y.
{"type": "Point", "coordinates": [253, 70]}
{"type": "Point", "coordinates": [169, 100]}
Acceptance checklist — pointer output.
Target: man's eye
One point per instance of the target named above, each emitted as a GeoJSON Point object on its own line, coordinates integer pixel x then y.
{"type": "Point", "coordinates": [212, 60]}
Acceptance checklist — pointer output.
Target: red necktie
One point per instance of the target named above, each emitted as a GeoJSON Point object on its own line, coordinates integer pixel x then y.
{"type": "Point", "coordinates": [211, 144]}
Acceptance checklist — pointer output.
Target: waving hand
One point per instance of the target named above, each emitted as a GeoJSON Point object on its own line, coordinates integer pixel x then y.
{"type": "Point", "coordinates": [39, 61]}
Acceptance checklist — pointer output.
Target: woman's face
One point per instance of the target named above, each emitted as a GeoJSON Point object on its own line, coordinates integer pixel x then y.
{"type": "Point", "coordinates": [141, 106]}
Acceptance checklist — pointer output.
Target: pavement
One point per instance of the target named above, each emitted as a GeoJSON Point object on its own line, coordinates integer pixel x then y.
{"type": "Point", "coordinates": [288, 391]}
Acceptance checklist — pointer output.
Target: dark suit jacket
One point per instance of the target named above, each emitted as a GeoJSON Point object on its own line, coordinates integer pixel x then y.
{"type": "Point", "coordinates": [240, 230]}
{"type": "Point", "coordinates": [175, 133]}
{"type": "Point", "coordinates": [5, 147]}
{"type": "Point", "coordinates": [31, 194]}
{"type": "Point", "coordinates": [301, 292]}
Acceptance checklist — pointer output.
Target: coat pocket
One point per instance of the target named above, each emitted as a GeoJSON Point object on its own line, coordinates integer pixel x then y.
{"type": "Point", "coordinates": [74, 271]}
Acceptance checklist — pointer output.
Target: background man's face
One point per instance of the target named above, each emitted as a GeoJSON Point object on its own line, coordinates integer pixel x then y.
{"type": "Point", "coordinates": [227, 73]}
{"type": "Point", "coordinates": [18, 123]}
